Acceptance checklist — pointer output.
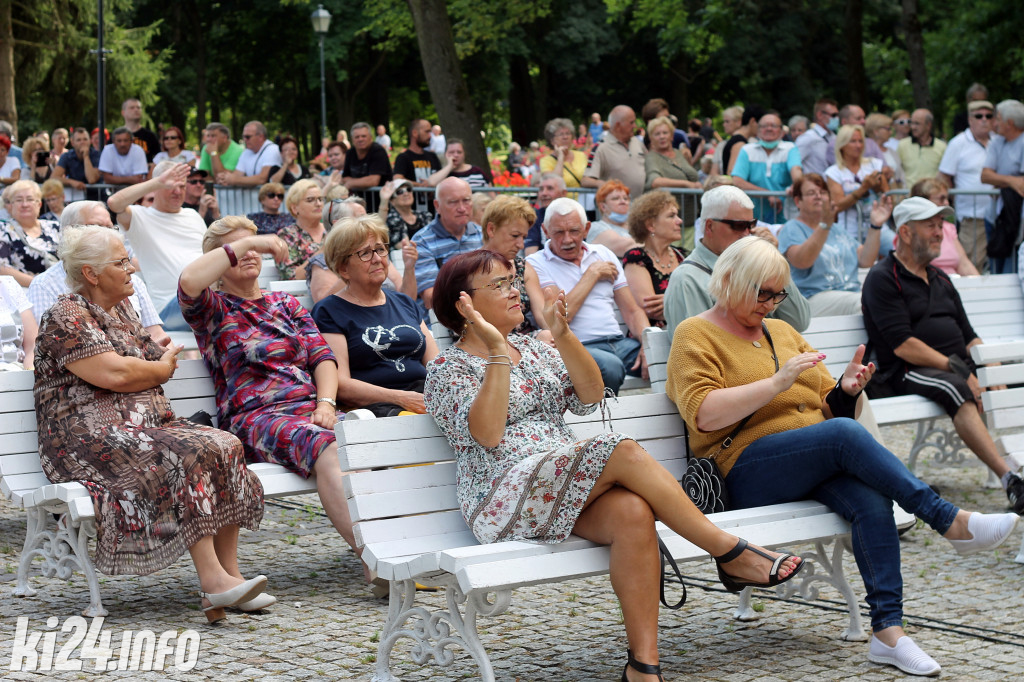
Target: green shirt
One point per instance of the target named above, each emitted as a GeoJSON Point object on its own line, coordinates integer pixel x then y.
{"type": "Point", "coordinates": [687, 294]}
{"type": "Point", "coordinates": [229, 158]}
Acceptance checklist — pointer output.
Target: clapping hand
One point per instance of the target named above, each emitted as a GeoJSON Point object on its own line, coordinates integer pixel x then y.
{"type": "Point", "coordinates": [881, 210]}
{"type": "Point", "coordinates": [409, 254]}
{"type": "Point", "coordinates": [556, 312]}
{"type": "Point", "coordinates": [794, 367]}
{"type": "Point", "coordinates": [387, 191]}
{"type": "Point", "coordinates": [857, 375]}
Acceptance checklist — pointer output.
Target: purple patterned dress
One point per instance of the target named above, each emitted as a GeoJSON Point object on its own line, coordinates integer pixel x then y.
{"type": "Point", "coordinates": [158, 484]}
{"type": "Point", "coordinates": [534, 483]}
{"type": "Point", "coordinates": [261, 355]}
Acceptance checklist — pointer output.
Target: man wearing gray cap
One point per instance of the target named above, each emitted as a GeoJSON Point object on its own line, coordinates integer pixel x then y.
{"type": "Point", "coordinates": [920, 332]}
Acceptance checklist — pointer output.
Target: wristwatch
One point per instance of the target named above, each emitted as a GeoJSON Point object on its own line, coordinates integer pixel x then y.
{"type": "Point", "coordinates": [875, 227]}
{"type": "Point", "coordinates": [214, 153]}
{"type": "Point", "coordinates": [329, 401]}
{"type": "Point", "coordinates": [825, 226]}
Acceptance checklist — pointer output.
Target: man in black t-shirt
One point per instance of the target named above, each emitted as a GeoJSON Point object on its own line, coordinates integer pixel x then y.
{"type": "Point", "coordinates": [416, 164]}
{"type": "Point", "coordinates": [144, 137]}
{"type": "Point", "coordinates": [366, 165]}
{"type": "Point", "coordinates": [917, 324]}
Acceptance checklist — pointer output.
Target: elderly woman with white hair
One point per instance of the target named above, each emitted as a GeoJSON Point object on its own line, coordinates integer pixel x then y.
{"type": "Point", "coordinates": [275, 377]}
{"type": "Point", "coordinates": [28, 245]}
{"type": "Point", "coordinates": [796, 437]}
{"type": "Point", "coordinates": [160, 485]}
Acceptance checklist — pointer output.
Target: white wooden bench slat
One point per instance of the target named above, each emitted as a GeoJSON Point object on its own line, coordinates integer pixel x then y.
{"type": "Point", "coordinates": [21, 444]}
{"type": "Point", "coordinates": [369, 533]}
{"type": "Point", "coordinates": [18, 400]}
{"type": "Point", "coordinates": [997, 352]}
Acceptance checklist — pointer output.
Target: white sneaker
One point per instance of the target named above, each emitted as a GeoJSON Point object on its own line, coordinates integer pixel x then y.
{"type": "Point", "coordinates": [988, 531]}
{"type": "Point", "coordinates": [906, 656]}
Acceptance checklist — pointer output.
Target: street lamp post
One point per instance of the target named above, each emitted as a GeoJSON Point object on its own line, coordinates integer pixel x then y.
{"type": "Point", "coordinates": [321, 19]}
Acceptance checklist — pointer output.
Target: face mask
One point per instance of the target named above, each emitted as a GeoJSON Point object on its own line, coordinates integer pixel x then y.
{"type": "Point", "coordinates": [770, 145]}
{"type": "Point", "coordinates": [619, 218]}
{"type": "Point", "coordinates": [833, 124]}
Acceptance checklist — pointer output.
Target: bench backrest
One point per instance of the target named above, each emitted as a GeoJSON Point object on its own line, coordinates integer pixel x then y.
{"type": "Point", "coordinates": [295, 287]}
{"type": "Point", "coordinates": [190, 390]}
{"type": "Point", "coordinates": [994, 305]}
{"type": "Point", "coordinates": [392, 497]}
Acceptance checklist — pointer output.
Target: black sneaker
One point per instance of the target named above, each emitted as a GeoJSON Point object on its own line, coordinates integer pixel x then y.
{"type": "Point", "coordinates": [1015, 493]}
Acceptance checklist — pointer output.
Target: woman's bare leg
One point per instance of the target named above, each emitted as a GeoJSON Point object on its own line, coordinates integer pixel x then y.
{"type": "Point", "coordinates": [225, 544]}
{"type": "Point", "coordinates": [332, 497]}
{"type": "Point", "coordinates": [624, 521]}
{"type": "Point", "coordinates": [631, 467]}
{"type": "Point", "coordinates": [212, 576]}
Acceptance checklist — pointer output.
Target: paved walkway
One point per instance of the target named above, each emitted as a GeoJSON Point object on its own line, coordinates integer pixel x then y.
{"type": "Point", "coordinates": [967, 613]}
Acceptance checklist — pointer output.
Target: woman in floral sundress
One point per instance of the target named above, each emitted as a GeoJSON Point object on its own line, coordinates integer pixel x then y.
{"type": "Point", "coordinates": [523, 475]}
{"type": "Point", "coordinates": [160, 485]}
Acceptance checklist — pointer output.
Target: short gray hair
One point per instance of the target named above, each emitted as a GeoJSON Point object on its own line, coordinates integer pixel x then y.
{"type": "Point", "coordinates": [977, 89]}
{"type": "Point", "coordinates": [1013, 111]}
{"type": "Point", "coordinates": [564, 206]}
{"type": "Point", "coordinates": [163, 167]}
{"type": "Point", "coordinates": [554, 125]}
{"type": "Point", "coordinates": [121, 130]}
{"type": "Point", "coordinates": [260, 128]}
{"type": "Point", "coordinates": [715, 203]}
{"type": "Point", "coordinates": [82, 245]}
{"type": "Point", "coordinates": [73, 212]}
{"type": "Point", "coordinates": [220, 128]}
{"type": "Point", "coordinates": [552, 175]}
{"type": "Point", "coordinates": [793, 120]}
{"type": "Point", "coordinates": [361, 124]}
{"type": "Point", "coordinates": [743, 267]}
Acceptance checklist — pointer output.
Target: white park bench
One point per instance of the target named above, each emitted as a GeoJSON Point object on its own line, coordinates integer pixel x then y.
{"type": "Point", "coordinates": [1004, 409]}
{"type": "Point", "coordinates": [295, 287]}
{"type": "Point", "coordinates": [63, 547]}
{"type": "Point", "coordinates": [402, 498]}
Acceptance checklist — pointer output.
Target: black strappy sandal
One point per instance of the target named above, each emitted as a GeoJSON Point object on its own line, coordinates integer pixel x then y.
{"type": "Point", "coordinates": [736, 584]}
{"type": "Point", "coordinates": [642, 668]}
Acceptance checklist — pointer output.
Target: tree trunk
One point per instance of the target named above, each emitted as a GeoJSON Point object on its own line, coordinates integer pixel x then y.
{"type": "Point", "coordinates": [8, 104]}
{"type": "Point", "coordinates": [915, 51]}
{"type": "Point", "coordinates": [854, 34]}
{"type": "Point", "coordinates": [520, 109]}
{"type": "Point", "coordinates": [444, 78]}
{"type": "Point", "coordinates": [679, 89]}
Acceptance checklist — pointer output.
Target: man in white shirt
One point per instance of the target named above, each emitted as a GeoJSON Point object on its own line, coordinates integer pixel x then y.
{"type": "Point", "coordinates": [123, 163]}
{"type": "Point", "coordinates": [815, 144]}
{"type": "Point", "coordinates": [961, 168]}
{"type": "Point", "coordinates": [258, 158]}
{"type": "Point", "coordinates": [165, 236]}
{"type": "Point", "coordinates": [592, 277]}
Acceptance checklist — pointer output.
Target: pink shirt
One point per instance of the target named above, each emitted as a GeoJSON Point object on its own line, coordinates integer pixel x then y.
{"type": "Point", "coordinates": [948, 258]}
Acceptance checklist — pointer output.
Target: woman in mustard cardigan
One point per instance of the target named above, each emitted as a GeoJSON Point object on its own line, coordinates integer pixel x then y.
{"type": "Point", "coordinates": [801, 440]}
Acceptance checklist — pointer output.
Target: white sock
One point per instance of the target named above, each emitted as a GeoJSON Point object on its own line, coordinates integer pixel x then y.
{"type": "Point", "coordinates": [1005, 479]}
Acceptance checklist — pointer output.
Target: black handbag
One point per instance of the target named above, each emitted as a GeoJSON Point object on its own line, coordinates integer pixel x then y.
{"type": "Point", "coordinates": [703, 481]}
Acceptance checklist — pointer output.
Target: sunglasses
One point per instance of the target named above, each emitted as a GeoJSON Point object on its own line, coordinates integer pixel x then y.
{"type": "Point", "coordinates": [981, 116]}
{"type": "Point", "coordinates": [197, 181]}
{"type": "Point", "coordinates": [275, 195]}
{"type": "Point", "coordinates": [402, 190]}
{"type": "Point", "coordinates": [171, 137]}
{"type": "Point", "coordinates": [763, 296]}
{"type": "Point", "coordinates": [738, 225]}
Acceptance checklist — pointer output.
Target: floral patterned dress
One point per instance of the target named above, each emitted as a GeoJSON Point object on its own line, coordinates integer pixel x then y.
{"type": "Point", "coordinates": [261, 355]}
{"type": "Point", "coordinates": [158, 484]}
{"type": "Point", "coordinates": [301, 248]}
{"type": "Point", "coordinates": [534, 483]}
{"type": "Point", "coordinates": [31, 255]}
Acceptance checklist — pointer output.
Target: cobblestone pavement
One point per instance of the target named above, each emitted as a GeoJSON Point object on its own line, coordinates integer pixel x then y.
{"type": "Point", "coordinates": [966, 612]}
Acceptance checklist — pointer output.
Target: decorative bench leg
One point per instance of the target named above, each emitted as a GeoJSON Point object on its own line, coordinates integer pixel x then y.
{"type": "Point", "coordinates": [951, 450]}
{"type": "Point", "coordinates": [804, 584]}
{"type": "Point", "coordinates": [744, 611]}
{"type": "Point", "coordinates": [431, 631]}
{"type": "Point", "coordinates": [1020, 553]}
{"type": "Point", "coordinates": [64, 551]}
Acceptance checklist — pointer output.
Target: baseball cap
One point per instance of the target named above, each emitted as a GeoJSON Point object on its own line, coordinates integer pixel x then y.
{"type": "Point", "coordinates": [980, 104]}
{"type": "Point", "coordinates": [919, 208]}
{"type": "Point", "coordinates": [195, 171]}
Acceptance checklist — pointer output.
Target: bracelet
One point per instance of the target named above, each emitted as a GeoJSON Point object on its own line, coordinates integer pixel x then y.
{"type": "Point", "coordinates": [495, 362]}
{"type": "Point", "coordinates": [491, 357]}
{"type": "Point", "coordinates": [874, 227]}
{"type": "Point", "coordinates": [329, 401]}
{"type": "Point", "coordinates": [232, 258]}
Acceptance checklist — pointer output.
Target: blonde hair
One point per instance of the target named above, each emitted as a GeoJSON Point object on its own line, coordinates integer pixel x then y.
{"type": "Point", "coordinates": [843, 138]}
{"type": "Point", "coordinates": [297, 193]}
{"type": "Point", "coordinates": [348, 234]}
{"type": "Point", "coordinates": [82, 245]}
{"type": "Point", "coordinates": [52, 188]}
{"type": "Point", "coordinates": [874, 122]}
{"type": "Point", "coordinates": [503, 210]}
{"type": "Point", "coordinates": [743, 267]}
{"type": "Point", "coordinates": [214, 237]}
{"type": "Point", "coordinates": [268, 188]}
{"type": "Point", "coordinates": [19, 185]}
{"type": "Point", "coordinates": [660, 121]}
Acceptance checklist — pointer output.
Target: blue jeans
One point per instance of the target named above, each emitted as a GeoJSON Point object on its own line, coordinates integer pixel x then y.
{"type": "Point", "coordinates": [172, 318]}
{"type": "Point", "coordinates": [839, 464]}
{"type": "Point", "coordinates": [615, 356]}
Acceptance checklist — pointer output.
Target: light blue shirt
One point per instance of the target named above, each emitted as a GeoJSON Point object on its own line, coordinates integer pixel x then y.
{"type": "Point", "coordinates": [770, 169]}
{"type": "Point", "coordinates": [835, 268]}
{"type": "Point", "coordinates": [1005, 158]}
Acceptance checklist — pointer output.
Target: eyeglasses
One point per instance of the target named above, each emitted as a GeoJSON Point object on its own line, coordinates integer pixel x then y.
{"type": "Point", "coordinates": [367, 254]}
{"type": "Point", "coordinates": [763, 296]}
{"type": "Point", "coordinates": [981, 116]}
{"type": "Point", "coordinates": [738, 225]}
{"type": "Point", "coordinates": [314, 200]}
{"type": "Point", "coordinates": [402, 190]}
{"type": "Point", "coordinates": [24, 200]}
{"type": "Point", "coordinates": [902, 121]}
{"type": "Point", "coordinates": [811, 195]}
{"type": "Point", "coordinates": [505, 285]}
{"type": "Point", "coordinates": [197, 181]}
{"type": "Point", "coordinates": [248, 137]}
{"type": "Point", "coordinates": [123, 263]}
{"type": "Point", "coordinates": [274, 195]}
